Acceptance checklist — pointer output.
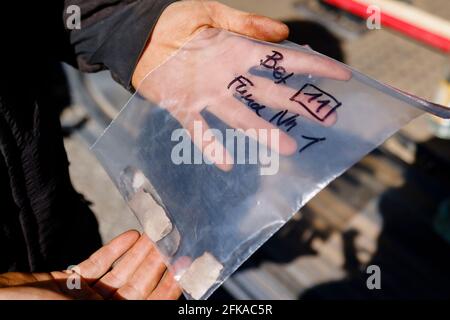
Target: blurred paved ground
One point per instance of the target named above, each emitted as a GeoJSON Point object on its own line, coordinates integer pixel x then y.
{"type": "Point", "coordinates": [90, 179]}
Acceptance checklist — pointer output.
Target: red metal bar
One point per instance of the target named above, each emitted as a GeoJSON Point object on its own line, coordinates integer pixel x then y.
{"type": "Point", "coordinates": [391, 21]}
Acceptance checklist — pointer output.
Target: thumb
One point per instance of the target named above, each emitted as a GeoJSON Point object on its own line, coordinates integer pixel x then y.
{"type": "Point", "coordinates": [248, 24]}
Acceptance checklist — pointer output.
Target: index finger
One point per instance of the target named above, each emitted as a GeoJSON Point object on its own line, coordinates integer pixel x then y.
{"type": "Point", "coordinates": [102, 260]}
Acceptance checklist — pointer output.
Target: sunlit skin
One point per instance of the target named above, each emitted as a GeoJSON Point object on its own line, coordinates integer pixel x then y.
{"type": "Point", "coordinates": [171, 85]}
{"type": "Point", "coordinates": [138, 273]}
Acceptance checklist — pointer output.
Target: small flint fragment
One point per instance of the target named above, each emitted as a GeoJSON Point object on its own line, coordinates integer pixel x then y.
{"type": "Point", "coordinates": [201, 275]}
{"type": "Point", "coordinates": [146, 204]}
{"type": "Point", "coordinates": [156, 224]}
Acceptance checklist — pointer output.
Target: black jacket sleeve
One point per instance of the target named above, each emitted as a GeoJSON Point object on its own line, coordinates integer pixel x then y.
{"type": "Point", "coordinates": [113, 34]}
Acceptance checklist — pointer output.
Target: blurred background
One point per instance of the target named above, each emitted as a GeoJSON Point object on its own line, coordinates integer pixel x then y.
{"type": "Point", "coordinates": [392, 209]}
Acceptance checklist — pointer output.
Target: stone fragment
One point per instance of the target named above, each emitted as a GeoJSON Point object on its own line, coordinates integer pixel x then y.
{"type": "Point", "coordinates": [153, 217]}
{"type": "Point", "coordinates": [201, 275]}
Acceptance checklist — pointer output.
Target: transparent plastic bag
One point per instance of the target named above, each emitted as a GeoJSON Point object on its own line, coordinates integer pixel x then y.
{"type": "Point", "coordinates": [206, 216]}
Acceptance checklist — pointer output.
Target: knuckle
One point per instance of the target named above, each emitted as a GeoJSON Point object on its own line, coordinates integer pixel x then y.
{"type": "Point", "coordinates": [250, 20]}
{"type": "Point", "coordinates": [115, 280]}
{"type": "Point", "coordinates": [95, 263]}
